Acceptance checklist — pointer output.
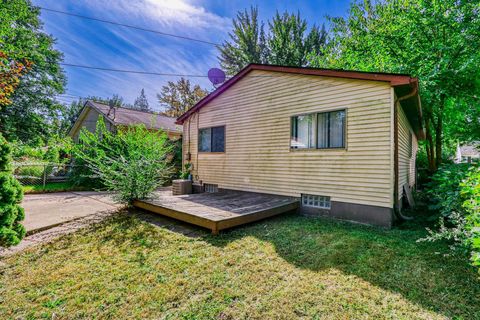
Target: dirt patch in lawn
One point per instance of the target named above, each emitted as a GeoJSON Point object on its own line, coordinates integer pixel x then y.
{"type": "Point", "coordinates": [50, 234]}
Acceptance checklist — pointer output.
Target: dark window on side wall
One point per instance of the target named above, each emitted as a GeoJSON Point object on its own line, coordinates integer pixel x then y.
{"type": "Point", "coordinates": [211, 139]}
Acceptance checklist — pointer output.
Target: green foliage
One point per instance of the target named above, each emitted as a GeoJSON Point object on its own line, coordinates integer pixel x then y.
{"type": "Point", "coordinates": [175, 157]}
{"type": "Point", "coordinates": [470, 191]}
{"type": "Point", "coordinates": [141, 102]}
{"type": "Point", "coordinates": [56, 150]}
{"type": "Point", "coordinates": [178, 97]}
{"type": "Point", "coordinates": [53, 187]}
{"type": "Point", "coordinates": [436, 41]}
{"type": "Point", "coordinates": [69, 113]}
{"type": "Point", "coordinates": [11, 214]}
{"type": "Point", "coordinates": [455, 194]}
{"type": "Point", "coordinates": [186, 171]}
{"type": "Point", "coordinates": [25, 152]}
{"type": "Point", "coordinates": [287, 42]}
{"type": "Point", "coordinates": [30, 171]}
{"type": "Point", "coordinates": [247, 42]}
{"type": "Point", "coordinates": [132, 162]}
{"type": "Point", "coordinates": [33, 111]}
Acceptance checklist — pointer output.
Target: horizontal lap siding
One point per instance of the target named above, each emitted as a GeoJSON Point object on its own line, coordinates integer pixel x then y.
{"type": "Point", "coordinates": [257, 111]}
{"type": "Point", "coordinates": [406, 152]}
{"type": "Point", "coordinates": [90, 122]}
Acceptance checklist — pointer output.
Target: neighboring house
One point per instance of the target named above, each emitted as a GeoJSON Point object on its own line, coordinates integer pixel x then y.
{"type": "Point", "coordinates": [468, 153]}
{"type": "Point", "coordinates": [115, 117]}
{"type": "Point", "coordinates": [344, 142]}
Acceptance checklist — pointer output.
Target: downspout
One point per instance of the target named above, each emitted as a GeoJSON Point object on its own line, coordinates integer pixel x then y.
{"type": "Point", "coordinates": [198, 117]}
{"type": "Point", "coordinates": [189, 155]}
{"type": "Point", "coordinates": [397, 209]}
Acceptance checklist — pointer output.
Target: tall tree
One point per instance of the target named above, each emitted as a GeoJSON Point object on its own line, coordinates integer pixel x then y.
{"type": "Point", "coordinates": [141, 102]}
{"type": "Point", "coordinates": [178, 97]}
{"type": "Point", "coordinates": [33, 105]}
{"type": "Point", "coordinates": [437, 41]}
{"type": "Point", "coordinates": [287, 42]}
{"type": "Point", "coordinates": [247, 42]}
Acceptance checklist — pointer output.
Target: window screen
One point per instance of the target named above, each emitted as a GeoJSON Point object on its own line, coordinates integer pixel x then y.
{"type": "Point", "coordinates": [318, 130]}
{"type": "Point", "coordinates": [204, 139]}
{"type": "Point", "coordinates": [331, 129]}
{"type": "Point", "coordinates": [303, 131]}
{"type": "Point", "coordinates": [218, 139]}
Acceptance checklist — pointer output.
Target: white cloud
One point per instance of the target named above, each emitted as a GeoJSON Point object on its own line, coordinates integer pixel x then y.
{"type": "Point", "coordinates": [167, 13]}
{"type": "Point", "coordinates": [103, 45]}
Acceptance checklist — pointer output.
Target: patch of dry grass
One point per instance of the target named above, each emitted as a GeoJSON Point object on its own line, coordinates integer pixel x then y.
{"type": "Point", "coordinates": [284, 268]}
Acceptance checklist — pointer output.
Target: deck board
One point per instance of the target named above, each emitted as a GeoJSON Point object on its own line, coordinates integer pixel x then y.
{"type": "Point", "coordinates": [220, 210]}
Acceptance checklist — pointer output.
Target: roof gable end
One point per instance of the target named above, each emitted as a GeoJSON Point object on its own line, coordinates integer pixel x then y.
{"type": "Point", "coordinates": [393, 79]}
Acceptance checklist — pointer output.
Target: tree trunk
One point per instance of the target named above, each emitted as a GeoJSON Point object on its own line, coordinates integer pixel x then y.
{"type": "Point", "coordinates": [439, 131]}
{"type": "Point", "coordinates": [429, 145]}
{"type": "Point", "coordinates": [438, 140]}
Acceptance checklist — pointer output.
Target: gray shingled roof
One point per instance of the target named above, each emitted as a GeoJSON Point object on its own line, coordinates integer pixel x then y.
{"type": "Point", "coordinates": [125, 116]}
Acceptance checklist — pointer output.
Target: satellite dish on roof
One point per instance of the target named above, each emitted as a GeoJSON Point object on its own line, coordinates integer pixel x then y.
{"type": "Point", "coordinates": [216, 76]}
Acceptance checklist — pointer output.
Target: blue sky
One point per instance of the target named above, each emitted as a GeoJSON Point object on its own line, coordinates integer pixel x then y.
{"type": "Point", "coordinates": [97, 44]}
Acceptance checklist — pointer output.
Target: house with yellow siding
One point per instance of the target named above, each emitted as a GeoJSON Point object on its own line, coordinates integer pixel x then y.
{"type": "Point", "coordinates": [343, 142]}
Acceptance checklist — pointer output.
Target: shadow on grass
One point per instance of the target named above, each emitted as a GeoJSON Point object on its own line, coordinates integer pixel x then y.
{"type": "Point", "coordinates": [390, 259]}
{"type": "Point", "coordinates": [422, 272]}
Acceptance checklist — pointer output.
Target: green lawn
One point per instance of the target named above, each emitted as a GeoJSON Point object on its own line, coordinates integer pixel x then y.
{"type": "Point", "coordinates": [283, 268]}
{"type": "Point", "coordinates": [52, 187]}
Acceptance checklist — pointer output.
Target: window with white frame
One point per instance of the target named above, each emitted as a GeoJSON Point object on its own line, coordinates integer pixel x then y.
{"type": "Point", "coordinates": [325, 130]}
{"type": "Point", "coordinates": [303, 131]}
{"type": "Point", "coordinates": [315, 201]}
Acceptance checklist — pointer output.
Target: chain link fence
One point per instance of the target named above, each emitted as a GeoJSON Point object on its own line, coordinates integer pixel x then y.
{"type": "Point", "coordinates": [40, 175]}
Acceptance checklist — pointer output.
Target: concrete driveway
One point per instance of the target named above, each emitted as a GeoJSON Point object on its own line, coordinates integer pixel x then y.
{"type": "Point", "coordinates": [43, 211]}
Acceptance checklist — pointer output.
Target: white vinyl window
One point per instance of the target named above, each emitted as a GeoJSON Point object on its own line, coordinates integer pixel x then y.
{"type": "Point", "coordinates": [315, 201]}
{"type": "Point", "coordinates": [325, 130]}
{"type": "Point", "coordinates": [303, 131]}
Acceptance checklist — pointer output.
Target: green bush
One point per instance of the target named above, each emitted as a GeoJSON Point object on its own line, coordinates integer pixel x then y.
{"type": "Point", "coordinates": [11, 231]}
{"type": "Point", "coordinates": [23, 152]}
{"type": "Point", "coordinates": [56, 150]}
{"type": "Point", "coordinates": [30, 171]}
{"type": "Point", "coordinates": [454, 193]}
{"type": "Point", "coordinates": [132, 162]}
{"type": "Point", "coordinates": [470, 191]}
{"type": "Point", "coordinates": [81, 175]}
{"type": "Point", "coordinates": [175, 158]}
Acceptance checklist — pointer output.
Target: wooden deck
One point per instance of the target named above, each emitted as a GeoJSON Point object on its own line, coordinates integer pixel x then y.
{"type": "Point", "coordinates": [218, 211]}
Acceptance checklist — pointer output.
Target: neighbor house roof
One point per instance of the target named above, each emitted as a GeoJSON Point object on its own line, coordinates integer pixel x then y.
{"type": "Point", "coordinates": [120, 116]}
{"type": "Point", "coordinates": [403, 84]}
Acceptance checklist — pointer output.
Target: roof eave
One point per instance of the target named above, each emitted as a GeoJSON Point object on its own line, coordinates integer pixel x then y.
{"type": "Point", "coordinates": [393, 79]}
